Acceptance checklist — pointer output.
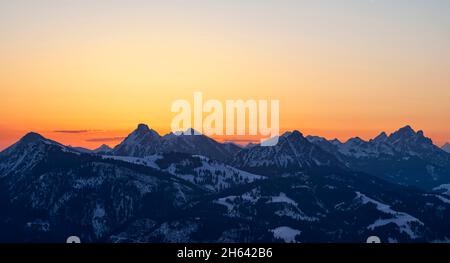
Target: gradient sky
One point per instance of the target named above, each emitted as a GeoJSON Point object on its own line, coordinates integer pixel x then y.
{"type": "Point", "coordinates": [86, 72]}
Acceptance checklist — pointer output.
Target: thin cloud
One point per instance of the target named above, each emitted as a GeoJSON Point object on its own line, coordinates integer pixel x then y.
{"type": "Point", "coordinates": [108, 139]}
{"type": "Point", "coordinates": [71, 131]}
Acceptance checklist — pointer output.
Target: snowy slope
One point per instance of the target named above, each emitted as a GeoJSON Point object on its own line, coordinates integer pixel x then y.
{"type": "Point", "coordinates": [446, 147]}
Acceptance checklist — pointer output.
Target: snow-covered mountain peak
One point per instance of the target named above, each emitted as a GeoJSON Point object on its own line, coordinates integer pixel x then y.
{"type": "Point", "coordinates": [191, 131]}
{"type": "Point", "coordinates": [316, 139]}
{"type": "Point", "coordinates": [292, 134]}
{"type": "Point", "coordinates": [293, 137]}
{"type": "Point", "coordinates": [103, 149]}
{"type": "Point", "coordinates": [408, 135]}
{"type": "Point", "coordinates": [336, 142]}
{"type": "Point", "coordinates": [140, 142]}
{"type": "Point", "coordinates": [297, 134]}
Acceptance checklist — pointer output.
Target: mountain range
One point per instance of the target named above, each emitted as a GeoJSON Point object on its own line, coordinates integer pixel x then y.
{"type": "Point", "coordinates": [191, 188]}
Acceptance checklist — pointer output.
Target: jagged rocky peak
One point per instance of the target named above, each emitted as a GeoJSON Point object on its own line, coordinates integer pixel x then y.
{"type": "Point", "coordinates": [405, 132]}
{"type": "Point", "coordinates": [355, 140]}
{"type": "Point", "coordinates": [382, 137]}
{"type": "Point", "coordinates": [297, 134]}
{"type": "Point", "coordinates": [293, 135]}
{"type": "Point", "coordinates": [320, 141]}
{"type": "Point", "coordinates": [336, 141]}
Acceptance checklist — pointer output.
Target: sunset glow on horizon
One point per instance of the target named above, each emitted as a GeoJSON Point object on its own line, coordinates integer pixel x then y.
{"type": "Point", "coordinates": [85, 73]}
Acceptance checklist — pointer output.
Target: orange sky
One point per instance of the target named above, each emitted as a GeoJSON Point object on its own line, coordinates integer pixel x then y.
{"type": "Point", "coordinates": [339, 70]}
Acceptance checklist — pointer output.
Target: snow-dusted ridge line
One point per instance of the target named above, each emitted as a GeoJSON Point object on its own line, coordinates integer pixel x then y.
{"type": "Point", "coordinates": [285, 233]}
{"type": "Point", "coordinates": [402, 220]}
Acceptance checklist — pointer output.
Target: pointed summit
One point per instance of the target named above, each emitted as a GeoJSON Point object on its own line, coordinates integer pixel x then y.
{"type": "Point", "coordinates": [297, 134]}
{"type": "Point", "coordinates": [405, 131]}
{"type": "Point", "coordinates": [187, 132]}
{"type": "Point", "coordinates": [104, 146]}
{"type": "Point", "coordinates": [291, 152]}
{"type": "Point", "coordinates": [32, 137]}
{"type": "Point", "coordinates": [142, 127]}
{"type": "Point", "coordinates": [141, 142]}
{"type": "Point", "coordinates": [191, 131]}
{"type": "Point", "coordinates": [102, 149]}
{"type": "Point", "coordinates": [382, 137]}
